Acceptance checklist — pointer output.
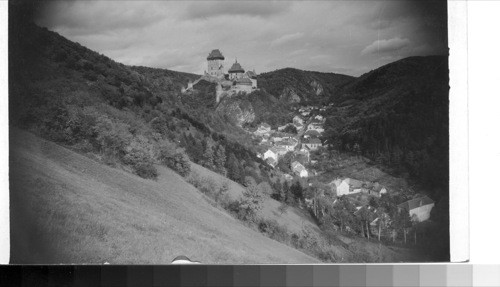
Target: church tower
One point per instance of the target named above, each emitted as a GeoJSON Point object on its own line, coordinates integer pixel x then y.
{"type": "Point", "coordinates": [215, 64]}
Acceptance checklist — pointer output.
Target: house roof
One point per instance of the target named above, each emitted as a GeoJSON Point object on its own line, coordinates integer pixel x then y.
{"type": "Point", "coordinates": [354, 183]}
{"type": "Point", "coordinates": [236, 68]}
{"type": "Point", "coordinates": [416, 202]}
{"type": "Point", "coordinates": [271, 161]}
{"type": "Point", "coordinates": [297, 166]}
{"type": "Point", "coordinates": [312, 141]}
{"type": "Point", "coordinates": [312, 133]}
{"type": "Point", "coordinates": [265, 125]}
{"type": "Point", "coordinates": [244, 81]}
{"type": "Point", "coordinates": [215, 55]}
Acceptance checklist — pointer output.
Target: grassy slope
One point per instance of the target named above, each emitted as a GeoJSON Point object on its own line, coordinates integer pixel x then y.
{"type": "Point", "coordinates": [66, 208]}
{"type": "Point", "coordinates": [293, 218]}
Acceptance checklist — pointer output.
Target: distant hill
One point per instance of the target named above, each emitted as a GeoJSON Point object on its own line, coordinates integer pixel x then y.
{"type": "Point", "coordinates": [294, 85]}
{"type": "Point", "coordinates": [398, 115]}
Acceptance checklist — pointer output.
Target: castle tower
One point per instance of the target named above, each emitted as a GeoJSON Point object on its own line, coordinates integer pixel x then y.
{"type": "Point", "coordinates": [236, 71]}
{"type": "Point", "coordinates": [215, 64]}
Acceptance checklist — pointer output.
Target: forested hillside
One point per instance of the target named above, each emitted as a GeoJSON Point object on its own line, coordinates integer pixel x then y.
{"type": "Point", "coordinates": [397, 115]}
{"type": "Point", "coordinates": [296, 86]}
{"type": "Point", "coordinates": [129, 117]}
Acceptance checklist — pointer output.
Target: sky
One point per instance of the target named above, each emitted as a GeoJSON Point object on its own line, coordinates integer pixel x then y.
{"type": "Point", "coordinates": [347, 37]}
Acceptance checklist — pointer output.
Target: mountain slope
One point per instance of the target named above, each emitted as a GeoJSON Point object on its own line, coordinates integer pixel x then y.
{"type": "Point", "coordinates": [397, 115]}
{"type": "Point", "coordinates": [294, 85]}
{"type": "Point", "coordinates": [66, 208]}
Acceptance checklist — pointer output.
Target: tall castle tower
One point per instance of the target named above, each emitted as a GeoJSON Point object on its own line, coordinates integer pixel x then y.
{"type": "Point", "coordinates": [215, 64]}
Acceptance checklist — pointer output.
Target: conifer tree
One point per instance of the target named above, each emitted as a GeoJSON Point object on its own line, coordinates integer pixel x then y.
{"type": "Point", "coordinates": [220, 160]}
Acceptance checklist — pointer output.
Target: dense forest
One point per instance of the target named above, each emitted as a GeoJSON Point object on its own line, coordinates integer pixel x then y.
{"type": "Point", "coordinates": [397, 115]}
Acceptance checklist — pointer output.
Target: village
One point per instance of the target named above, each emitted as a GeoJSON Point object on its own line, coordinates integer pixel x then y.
{"type": "Point", "coordinates": [301, 141]}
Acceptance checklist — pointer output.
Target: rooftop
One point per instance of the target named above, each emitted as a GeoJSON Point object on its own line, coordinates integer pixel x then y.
{"type": "Point", "coordinates": [236, 68]}
{"type": "Point", "coordinates": [215, 55]}
{"type": "Point", "coordinates": [416, 202]}
{"type": "Point", "coordinates": [244, 81]}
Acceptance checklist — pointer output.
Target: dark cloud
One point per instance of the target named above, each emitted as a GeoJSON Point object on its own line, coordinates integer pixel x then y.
{"type": "Point", "coordinates": [209, 9]}
{"type": "Point", "coordinates": [313, 35]}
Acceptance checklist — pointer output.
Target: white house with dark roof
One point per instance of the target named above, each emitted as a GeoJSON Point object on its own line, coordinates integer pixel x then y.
{"type": "Point", "coordinates": [420, 208]}
{"type": "Point", "coordinates": [299, 169]}
{"type": "Point", "coordinates": [263, 129]}
{"type": "Point", "coordinates": [312, 143]}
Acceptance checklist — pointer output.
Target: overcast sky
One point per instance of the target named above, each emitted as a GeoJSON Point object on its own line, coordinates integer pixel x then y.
{"type": "Point", "coordinates": [348, 37]}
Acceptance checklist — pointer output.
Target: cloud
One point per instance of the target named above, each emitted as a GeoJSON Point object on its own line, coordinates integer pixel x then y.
{"type": "Point", "coordinates": [98, 17]}
{"type": "Point", "coordinates": [264, 9]}
{"type": "Point", "coordinates": [386, 46]}
{"type": "Point", "coordinates": [286, 39]}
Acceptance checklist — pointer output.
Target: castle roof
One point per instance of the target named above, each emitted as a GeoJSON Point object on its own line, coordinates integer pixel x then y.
{"type": "Point", "coordinates": [236, 68]}
{"type": "Point", "coordinates": [251, 74]}
{"type": "Point", "coordinates": [244, 81]}
{"type": "Point", "coordinates": [215, 55]}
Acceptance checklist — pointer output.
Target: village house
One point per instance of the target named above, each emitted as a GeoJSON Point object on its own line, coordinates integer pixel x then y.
{"type": "Point", "coordinates": [316, 126]}
{"type": "Point", "coordinates": [299, 169]}
{"type": "Point", "coordinates": [311, 133]}
{"type": "Point", "coordinates": [419, 208]}
{"type": "Point", "coordinates": [287, 177]}
{"type": "Point", "coordinates": [271, 153]}
{"type": "Point", "coordinates": [298, 120]}
{"type": "Point", "coordinates": [319, 117]}
{"type": "Point", "coordinates": [272, 162]}
{"type": "Point", "coordinates": [346, 186]}
{"type": "Point", "coordinates": [312, 143]}
{"type": "Point", "coordinates": [288, 144]}
{"type": "Point", "coordinates": [263, 129]}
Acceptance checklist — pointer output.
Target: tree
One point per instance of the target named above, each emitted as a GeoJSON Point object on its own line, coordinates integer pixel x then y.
{"type": "Point", "coordinates": [208, 154]}
{"type": "Point", "coordinates": [233, 168]}
{"type": "Point", "coordinates": [288, 196]}
{"type": "Point", "coordinates": [220, 160]}
{"type": "Point", "coordinates": [290, 129]}
{"type": "Point", "coordinates": [403, 222]}
{"type": "Point", "coordinates": [297, 191]}
{"type": "Point", "coordinates": [383, 219]}
{"type": "Point", "coordinates": [278, 191]}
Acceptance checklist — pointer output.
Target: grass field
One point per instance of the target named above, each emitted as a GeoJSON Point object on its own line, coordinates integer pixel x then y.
{"type": "Point", "coordinates": [294, 219]}
{"type": "Point", "coordinates": [67, 208]}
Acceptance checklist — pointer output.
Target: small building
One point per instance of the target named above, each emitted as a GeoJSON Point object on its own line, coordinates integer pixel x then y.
{"type": "Point", "coordinates": [312, 143]}
{"type": "Point", "coordinates": [316, 126]}
{"type": "Point", "coordinates": [272, 161]}
{"type": "Point", "coordinates": [288, 144]}
{"type": "Point", "coordinates": [298, 120]}
{"type": "Point", "coordinates": [299, 169]}
{"type": "Point", "coordinates": [263, 129]}
{"type": "Point", "coordinates": [419, 208]}
{"type": "Point", "coordinates": [271, 153]}
{"type": "Point", "coordinates": [312, 133]}
{"type": "Point", "coordinates": [346, 186]}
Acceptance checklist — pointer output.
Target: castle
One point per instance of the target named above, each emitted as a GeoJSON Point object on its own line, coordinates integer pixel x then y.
{"type": "Point", "coordinates": [235, 81]}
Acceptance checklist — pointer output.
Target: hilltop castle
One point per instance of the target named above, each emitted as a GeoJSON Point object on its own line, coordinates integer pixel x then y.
{"type": "Point", "coordinates": [234, 81]}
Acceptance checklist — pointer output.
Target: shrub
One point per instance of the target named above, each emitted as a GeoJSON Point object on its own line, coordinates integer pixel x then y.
{"type": "Point", "coordinates": [174, 157]}
{"type": "Point", "coordinates": [145, 170]}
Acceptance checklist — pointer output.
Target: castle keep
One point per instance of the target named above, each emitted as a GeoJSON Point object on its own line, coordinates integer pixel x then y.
{"type": "Point", "coordinates": [236, 80]}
